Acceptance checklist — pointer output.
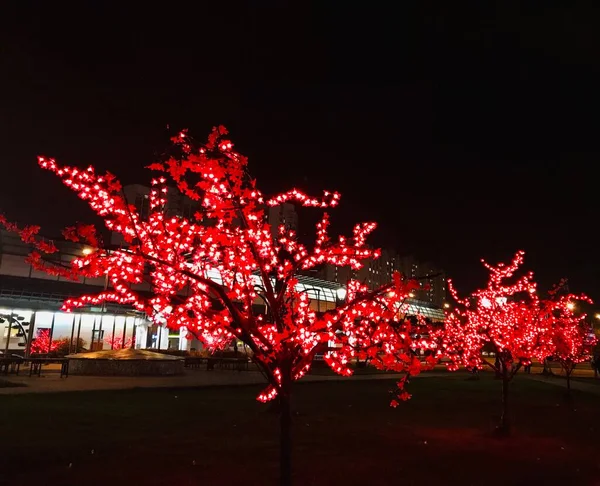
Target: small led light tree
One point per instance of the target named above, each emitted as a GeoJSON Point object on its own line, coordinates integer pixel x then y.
{"type": "Point", "coordinates": [389, 339]}
{"type": "Point", "coordinates": [208, 272]}
{"type": "Point", "coordinates": [42, 343]}
{"type": "Point", "coordinates": [116, 342]}
{"type": "Point", "coordinates": [568, 339]}
{"type": "Point", "coordinates": [505, 316]}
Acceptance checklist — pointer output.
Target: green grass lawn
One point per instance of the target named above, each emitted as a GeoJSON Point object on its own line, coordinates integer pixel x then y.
{"type": "Point", "coordinates": [345, 434]}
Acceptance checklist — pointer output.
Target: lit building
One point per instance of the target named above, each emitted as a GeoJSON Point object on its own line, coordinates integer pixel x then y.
{"type": "Point", "coordinates": [34, 299]}
{"type": "Point", "coordinates": [374, 273]}
{"type": "Point", "coordinates": [378, 272]}
{"type": "Point", "coordinates": [408, 266]}
{"type": "Point", "coordinates": [433, 283]}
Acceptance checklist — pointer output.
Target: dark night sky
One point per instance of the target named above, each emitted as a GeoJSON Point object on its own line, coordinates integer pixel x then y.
{"type": "Point", "coordinates": [466, 130]}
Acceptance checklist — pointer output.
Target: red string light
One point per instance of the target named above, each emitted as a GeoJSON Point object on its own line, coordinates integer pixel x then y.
{"type": "Point", "coordinates": [567, 339]}
{"type": "Point", "coordinates": [510, 320]}
{"type": "Point", "coordinates": [207, 272]}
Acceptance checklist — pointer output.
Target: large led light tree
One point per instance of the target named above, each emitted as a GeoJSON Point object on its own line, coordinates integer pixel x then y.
{"type": "Point", "coordinates": [569, 339]}
{"type": "Point", "coordinates": [229, 237]}
{"type": "Point", "coordinates": [504, 316]}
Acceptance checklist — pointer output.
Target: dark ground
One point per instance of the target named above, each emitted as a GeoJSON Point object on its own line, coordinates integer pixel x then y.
{"type": "Point", "coordinates": [345, 433]}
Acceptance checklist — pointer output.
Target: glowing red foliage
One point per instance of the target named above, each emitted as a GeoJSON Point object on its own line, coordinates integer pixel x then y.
{"type": "Point", "coordinates": [207, 272]}
{"type": "Point", "coordinates": [29, 235]}
{"type": "Point", "coordinates": [515, 323]}
{"type": "Point", "coordinates": [85, 233]}
{"type": "Point", "coordinates": [42, 344]}
{"type": "Point", "coordinates": [116, 342]}
{"type": "Point", "coordinates": [504, 317]}
{"type": "Point", "coordinates": [508, 318]}
{"type": "Point", "coordinates": [568, 339]}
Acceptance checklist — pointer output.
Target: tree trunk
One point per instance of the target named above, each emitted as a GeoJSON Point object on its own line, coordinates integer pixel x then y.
{"type": "Point", "coordinates": [546, 371]}
{"type": "Point", "coordinates": [568, 373]}
{"type": "Point", "coordinates": [504, 428]}
{"type": "Point", "coordinates": [285, 431]}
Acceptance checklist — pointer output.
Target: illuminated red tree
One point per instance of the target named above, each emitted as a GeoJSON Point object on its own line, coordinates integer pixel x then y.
{"type": "Point", "coordinates": [117, 342]}
{"type": "Point", "coordinates": [207, 272]}
{"type": "Point", "coordinates": [504, 316]}
{"type": "Point", "coordinates": [568, 339]}
{"type": "Point", "coordinates": [42, 343]}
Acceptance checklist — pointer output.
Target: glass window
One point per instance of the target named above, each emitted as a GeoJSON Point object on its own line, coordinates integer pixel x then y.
{"type": "Point", "coordinates": [98, 335]}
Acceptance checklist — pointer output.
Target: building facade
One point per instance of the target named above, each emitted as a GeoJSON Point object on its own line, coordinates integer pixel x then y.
{"type": "Point", "coordinates": [283, 215]}
{"type": "Point", "coordinates": [434, 286]}
{"type": "Point", "coordinates": [30, 300]}
{"type": "Point", "coordinates": [30, 303]}
{"type": "Point", "coordinates": [380, 271]}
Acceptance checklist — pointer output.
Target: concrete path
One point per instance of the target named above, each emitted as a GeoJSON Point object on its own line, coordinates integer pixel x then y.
{"type": "Point", "coordinates": [593, 388]}
{"type": "Point", "coordinates": [52, 383]}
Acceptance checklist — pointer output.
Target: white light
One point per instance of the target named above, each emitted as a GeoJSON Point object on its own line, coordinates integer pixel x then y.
{"type": "Point", "coordinates": [570, 306]}
{"type": "Point", "coordinates": [87, 251]}
{"type": "Point", "coordinates": [341, 293]}
{"type": "Point", "coordinates": [411, 295]}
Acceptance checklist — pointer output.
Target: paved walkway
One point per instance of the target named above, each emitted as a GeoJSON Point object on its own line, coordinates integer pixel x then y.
{"type": "Point", "coordinates": [593, 388]}
{"type": "Point", "coordinates": [52, 383]}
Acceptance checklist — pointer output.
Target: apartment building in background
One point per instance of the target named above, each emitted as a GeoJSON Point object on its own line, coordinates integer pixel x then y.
{"type": "Point", "coordinates": [285, 214]}
{"type": "Point", "coordinates": [380, 271]}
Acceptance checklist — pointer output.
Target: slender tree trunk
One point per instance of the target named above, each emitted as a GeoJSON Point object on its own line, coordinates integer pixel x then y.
{"type": "Point", "coordinates": [504, 427]}
{"type": "Point", "coordinates": [285, 432]}
{"type": "Point", "coordinates": [547, 370]}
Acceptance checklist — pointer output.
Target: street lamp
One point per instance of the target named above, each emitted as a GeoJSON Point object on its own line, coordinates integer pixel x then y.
{"type": "Point", "coordinates": [341, 294]}
{"type": "Point", "coordinates": [446, 305]}
{"type": "Point", "coordinates": [570, 306]}
{"type": "Point", "coordinates": [87, 251]}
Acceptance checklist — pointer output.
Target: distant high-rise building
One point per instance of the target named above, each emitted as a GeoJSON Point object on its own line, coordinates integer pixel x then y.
{"type": "Point", "coordinates": [378, 272]}
{"type": "Point", "coordinates": [408, 266]}
{"type": "Point", "coordinates": [375, 273]}
{"type": "Point", "coordinates": [433, 283]}
{"type": "Point", "coordinates": [285, 214]}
